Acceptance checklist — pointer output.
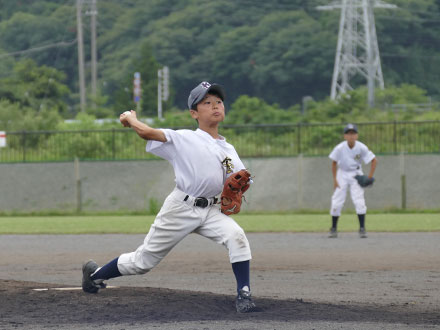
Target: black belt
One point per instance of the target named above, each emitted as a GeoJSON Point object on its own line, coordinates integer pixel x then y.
{"type": "Point", "coordinates": [202, 201]}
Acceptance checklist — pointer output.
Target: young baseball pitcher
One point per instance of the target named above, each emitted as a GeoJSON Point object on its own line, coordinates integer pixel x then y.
{"type": "Point", "coordinates": [205, 166]}
{"type": "Point", "coordinates": [347, 158]}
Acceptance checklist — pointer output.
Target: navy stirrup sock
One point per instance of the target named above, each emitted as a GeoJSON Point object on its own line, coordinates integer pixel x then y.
{"type": "Point", "coordinates": [108, 271]}
{"type": "Point", "coordinates": [241, 272]}
{"type": "Point", "coordinates": [334, 222]}
{"type": "Point", "coordinates": [361, 220]}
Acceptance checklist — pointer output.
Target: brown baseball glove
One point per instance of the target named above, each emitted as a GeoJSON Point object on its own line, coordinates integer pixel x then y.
{"type": "Point", "coordinates": [235, 185]}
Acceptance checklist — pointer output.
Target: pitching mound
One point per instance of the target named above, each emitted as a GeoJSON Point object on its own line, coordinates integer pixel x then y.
{"type": "Point", "coordinates": [22, 306]}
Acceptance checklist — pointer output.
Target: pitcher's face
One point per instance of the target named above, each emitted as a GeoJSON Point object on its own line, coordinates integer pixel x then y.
{"type": "Point", "coordinates": [210, 110]}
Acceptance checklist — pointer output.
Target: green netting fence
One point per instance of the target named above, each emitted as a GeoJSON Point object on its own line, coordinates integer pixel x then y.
{"type": "Point", "coordinates": [280, 140]}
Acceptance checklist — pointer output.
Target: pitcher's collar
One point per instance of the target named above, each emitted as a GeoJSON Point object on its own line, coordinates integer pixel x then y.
{"type": "Point", "coordinates": [208, 136]}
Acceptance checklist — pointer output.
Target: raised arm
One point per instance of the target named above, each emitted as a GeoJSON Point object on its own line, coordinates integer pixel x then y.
{"type": "Point", "coordinates": [129, 119]}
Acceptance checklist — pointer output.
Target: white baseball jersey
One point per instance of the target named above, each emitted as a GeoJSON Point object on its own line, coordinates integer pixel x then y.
{"type": "Point", "coordinates": [349, 159]}
{"type": "Point", "coordinates": [198, 160]}
{"type": "Point", "coordinates": [201, 165]}
{"type": "Point", "coordinates": [349, 165]}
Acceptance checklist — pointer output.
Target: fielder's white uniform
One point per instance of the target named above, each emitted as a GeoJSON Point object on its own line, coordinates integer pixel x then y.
{"type": "Point", "coordinates": [200, 169]}
{"type": "Point", "coordinates": [349, 165]}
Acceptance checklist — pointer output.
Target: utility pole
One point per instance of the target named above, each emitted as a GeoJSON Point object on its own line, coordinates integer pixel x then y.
{"type": "Point", "coordinates": [93, 13]}
{"type": "Point", "coordinates": [357, 51]}
{"type": "Point", "coordinates": [82, 84]}
{"type": "Point", "coordinates": [137, 91]}
{"type": "Point", "coordinates": [159, 93]}
{"type": "Point", "coordinates": [163, 93]}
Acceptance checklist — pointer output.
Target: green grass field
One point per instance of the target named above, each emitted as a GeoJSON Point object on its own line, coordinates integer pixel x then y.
{"type": "Point", "coordinates": [139, 224]}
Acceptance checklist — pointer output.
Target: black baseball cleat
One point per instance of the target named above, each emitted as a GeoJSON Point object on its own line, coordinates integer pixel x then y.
{"type": "Point", "coordinates": [88, 285]}
{"type": "Point", "coordinates": [362, 233]}
{"type": "Point", "coordinates": [244, 303]}
{"type": "Point", "coordinates": [333, 233]}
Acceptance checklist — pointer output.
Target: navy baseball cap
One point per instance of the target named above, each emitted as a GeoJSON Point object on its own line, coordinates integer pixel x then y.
{"type": "Point", "coordinates": [198, 93]}
{"type": "Point", "coordinates": [350, 127]}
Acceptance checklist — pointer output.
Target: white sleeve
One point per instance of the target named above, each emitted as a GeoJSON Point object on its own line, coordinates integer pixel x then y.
{"type": "Point", "coordinates": [367, 155]}
{"type": "Point", "coordinates": [165, 150]}
{"type": "Point", "coordinates": [334, 155]}
{"type": "Point", "coordinates": [239, 165]}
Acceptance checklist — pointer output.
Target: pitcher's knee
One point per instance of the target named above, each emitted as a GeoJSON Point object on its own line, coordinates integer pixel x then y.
{"type": "Point", "coordinates": [134, 268]}
{"type": "Point", "coordinates": [141, 270]}
{"type": "Point", "coordinates": [240, 239]}
{"type": "Point", "coordinates": [238, 246]}
{"type": "Point", "coordinates": [137, 263]}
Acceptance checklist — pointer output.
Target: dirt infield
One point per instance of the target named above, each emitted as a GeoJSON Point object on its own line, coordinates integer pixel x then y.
{"type": "Point", "coordinates": [299, 281]}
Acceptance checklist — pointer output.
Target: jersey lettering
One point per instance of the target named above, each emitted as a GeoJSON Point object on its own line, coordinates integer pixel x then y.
{"type": "Point", "coordinates": [227, 163]}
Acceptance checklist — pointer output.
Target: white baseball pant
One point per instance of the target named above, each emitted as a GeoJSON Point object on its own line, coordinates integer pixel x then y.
{"type": "Point", "coordinates": [176, 220]}
{"type": "Point", "coordinates": [347, 181]}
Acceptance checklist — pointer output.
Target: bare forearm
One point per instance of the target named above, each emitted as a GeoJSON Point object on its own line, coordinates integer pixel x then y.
{"type": "Point", "coordinates": [334, 169]}
{"type": "Point", "coordinates": [146, 132]}
{"type": "Point", "coordinates": [129, 119]}
{"type": "Point", "coordinates": [372, 168]}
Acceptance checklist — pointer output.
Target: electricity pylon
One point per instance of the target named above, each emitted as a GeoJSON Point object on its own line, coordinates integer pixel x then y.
{"type": "Point", "coordinates": [357, 50]}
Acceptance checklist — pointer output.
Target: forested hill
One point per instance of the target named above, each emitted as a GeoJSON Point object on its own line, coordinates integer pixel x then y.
{"type": "Point", "coordinates": [277, 50]}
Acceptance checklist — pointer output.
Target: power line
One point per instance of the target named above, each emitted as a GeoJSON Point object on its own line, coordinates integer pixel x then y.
{"type": "Point", "coordinates": [276, 4]}
{"type": "Point", "coordinates": [37, 49]}
{"type": "Point", "coordinates": [420, 11]}
{"type": "Point", "coordinates": [56, 45]}
{"type": "Point", "coordinates": [409, 19]}
{"type": "Point", "coordinates": [411, 56]}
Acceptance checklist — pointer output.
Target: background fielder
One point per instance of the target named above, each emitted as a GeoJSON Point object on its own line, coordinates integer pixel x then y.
{"type": "Point", "coordinates": [202, 161]}
{"type": "Point", "coordinates": [347, 158]}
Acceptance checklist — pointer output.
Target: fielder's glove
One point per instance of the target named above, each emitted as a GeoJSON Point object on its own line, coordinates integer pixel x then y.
{"type": "Point", "coordinates": [235, 186]}
{"type": "Point", "coordinates": [364, 181]}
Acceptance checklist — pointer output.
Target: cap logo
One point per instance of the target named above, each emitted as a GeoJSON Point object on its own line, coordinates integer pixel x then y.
{"type": "Point", "coordinates": [205, 85]}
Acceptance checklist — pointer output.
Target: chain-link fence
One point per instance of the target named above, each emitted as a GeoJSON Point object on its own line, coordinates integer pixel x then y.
{"type": "Point", "coordinates": [250, 141]}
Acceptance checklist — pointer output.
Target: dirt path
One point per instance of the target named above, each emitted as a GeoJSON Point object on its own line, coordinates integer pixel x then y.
{"type": "Point", "coordinates": [299, 281]}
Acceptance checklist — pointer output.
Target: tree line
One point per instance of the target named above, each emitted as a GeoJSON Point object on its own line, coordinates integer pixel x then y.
{"type": "Point", "coordinates": [269, 55]}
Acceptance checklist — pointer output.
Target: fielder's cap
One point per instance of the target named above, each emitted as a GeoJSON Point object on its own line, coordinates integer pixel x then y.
{"type": "Point", "coordinates": [198, 93]}
{"type": "Point", "coordinates": [350, 127]}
